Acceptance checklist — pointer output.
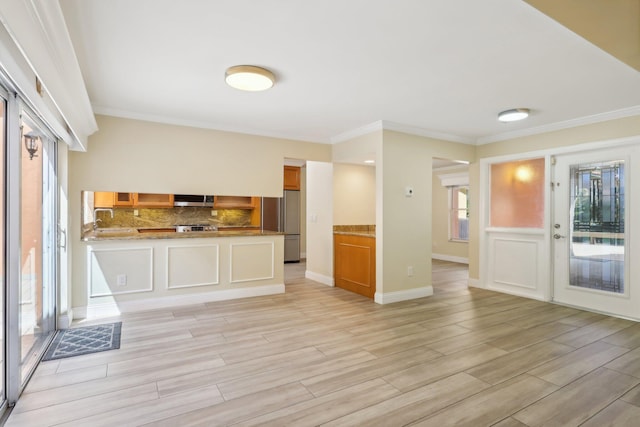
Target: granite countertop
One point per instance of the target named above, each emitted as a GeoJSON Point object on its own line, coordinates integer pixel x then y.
{"type": "Point", "coordinates": [134, 234]}
{"type": "Point", "coordinates": [355, 230]}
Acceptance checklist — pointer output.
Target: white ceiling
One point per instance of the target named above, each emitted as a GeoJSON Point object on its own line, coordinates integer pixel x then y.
{"type": "Point", "coordinates": [438, 67]}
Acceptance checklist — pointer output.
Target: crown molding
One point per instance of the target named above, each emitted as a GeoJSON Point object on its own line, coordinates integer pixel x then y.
{"type": "Point", "coordinates": [354, 133]}
{"type": "Point", "coordinates": [567, 124]}
{"type": "Point", "coordinates": [125, 114]}
{"type": "Point", "coordinates": [39, 32]}
{"type": "Point", "coordinates": [398, 127]}
{"type": "Point", "coordinates": [412, 130]}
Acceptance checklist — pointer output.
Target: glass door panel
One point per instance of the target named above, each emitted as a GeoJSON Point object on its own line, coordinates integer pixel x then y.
{"type": "Point", "coordinates": [593, 233]}
{"type": "Point", "coordinates": [596, 234]}
{"type": "Point", "coordinates": [3, 279]}
{"type": "Point", "coordinates": [36, 321]}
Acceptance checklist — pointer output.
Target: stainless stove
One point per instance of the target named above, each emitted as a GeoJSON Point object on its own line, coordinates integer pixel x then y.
{"type": "Point", "coordinates": [195, 227]}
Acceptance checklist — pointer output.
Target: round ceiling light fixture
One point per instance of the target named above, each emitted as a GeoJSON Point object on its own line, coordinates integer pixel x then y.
{"type": "Point", "coordinates": [249, 78]}
{"type": "Point", "coordinates": [513, 115]}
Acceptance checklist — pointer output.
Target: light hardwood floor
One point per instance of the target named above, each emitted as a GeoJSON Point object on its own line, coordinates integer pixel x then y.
{"type": "Point", "coordinates": [318, 355]}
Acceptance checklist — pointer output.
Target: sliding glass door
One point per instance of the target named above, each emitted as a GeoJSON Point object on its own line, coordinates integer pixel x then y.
{"type": "Point", "coordinates": [37, 243]}
{"type": "Point", "coordinates": [3, 281]}
{"type": "Point", "coordinates": [29, 251]}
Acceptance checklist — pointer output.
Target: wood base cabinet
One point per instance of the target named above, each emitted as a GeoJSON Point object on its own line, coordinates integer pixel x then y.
{"type": "Point", "coordinates": [355, 263]}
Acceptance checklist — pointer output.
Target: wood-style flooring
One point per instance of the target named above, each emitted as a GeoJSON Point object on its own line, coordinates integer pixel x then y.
{"type": "Point", "coordinates": [318, 355]}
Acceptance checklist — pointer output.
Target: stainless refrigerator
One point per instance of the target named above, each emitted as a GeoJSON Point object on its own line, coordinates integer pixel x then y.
{"type": "Point", "coordinates": [283, 214]}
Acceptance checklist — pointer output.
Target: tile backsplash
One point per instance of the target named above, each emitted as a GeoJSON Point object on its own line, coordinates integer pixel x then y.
{"type": "Point", "coordinates": [166, 217]}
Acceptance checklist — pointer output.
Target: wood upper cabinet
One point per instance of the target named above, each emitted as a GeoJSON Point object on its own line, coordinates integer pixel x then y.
{"type": "Point", "coordinates": [291, 178]}
{"type": "Point", "coordinates": [235, 202]}
{"type": "Point", "coordinates": [123, 199]}
{"type": "Point", "coordinates": [103, 199]}
{"type": "Point", "coordinates": [152, 200]}
{"type": "Point", "coordinates": [108, 199]}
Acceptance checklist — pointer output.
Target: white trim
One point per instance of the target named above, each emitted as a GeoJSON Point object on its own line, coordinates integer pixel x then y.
{"type": "Point", "coordinates": [192, 285]}
{"type": "Point", "coordinates": [65, 320]}
{"type": "Point", "coordinates": [567, 124]}
{"type": "Point", "coordinates": [114, 309]}
{"type": "Point", "coordinates": [354, 133]}
{"type": "Point", "coordinates": [39, 31]}
{"type": "Point", "coordinates": [409, 294]}
{"type": "Point", "coordinates": [518, 294]}
{"type": "Point", "coordinates": [451, 258]}
{"type": "Point", "coordinates": [474, 283]}
{"type": "Point", "coordinates": [398, 127]}
{"type": "Point", "coordinates": [412, 130]}
{"type": "Point", "coordinates": [231, 245]}
{"type": "Point", "coordinates": [320, 278]}
{"type": "Point", "coordinates": [154, 118]}
{"type": "Point", "coordinates": [303, 255]}
{"type": "Point", "coordinates": [91, 250]}
{"type": "Point", "coordinates": [454, 179]}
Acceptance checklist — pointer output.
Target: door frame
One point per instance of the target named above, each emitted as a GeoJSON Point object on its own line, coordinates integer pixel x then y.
{"type": "Point", "coordinates": [544, 288]}
{"type": "Point", "coordinates": [628, 303]}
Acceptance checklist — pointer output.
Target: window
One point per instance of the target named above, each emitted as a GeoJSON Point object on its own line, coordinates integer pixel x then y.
{"type": "Point", "coordinates": [459, 212]}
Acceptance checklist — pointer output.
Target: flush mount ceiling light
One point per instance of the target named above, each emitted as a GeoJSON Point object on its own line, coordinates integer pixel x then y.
{"type": "Point", "coordinates": [513, 115]}
{"type": "Point", "coordinates": [249, 77]}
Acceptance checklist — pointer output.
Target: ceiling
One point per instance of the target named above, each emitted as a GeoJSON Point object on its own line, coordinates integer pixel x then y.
{"type": "Point", "coordinates": [441, 68]}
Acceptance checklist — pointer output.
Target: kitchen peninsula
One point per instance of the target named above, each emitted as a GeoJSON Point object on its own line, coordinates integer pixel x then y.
{"type": "Point", "coordinates": [136, 259]}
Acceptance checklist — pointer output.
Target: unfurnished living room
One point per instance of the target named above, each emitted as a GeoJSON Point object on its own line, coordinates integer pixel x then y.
{"type": "Point", "coordinates": [330, 213]}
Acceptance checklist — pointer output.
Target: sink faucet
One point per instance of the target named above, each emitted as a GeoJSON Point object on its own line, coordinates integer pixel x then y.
{"type": "Point", "coordinates": [96, 220]}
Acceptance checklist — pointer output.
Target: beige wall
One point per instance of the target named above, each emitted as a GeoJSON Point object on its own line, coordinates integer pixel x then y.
{"type": "Point", "coordinates": [354, 194]}
{"type": "Point", "coordinates": [608, 131]}
{"type": "Point", "coordinates": [406, 221]}
{"type": "Point", "coordinates": [138, 156]}
{"type": "Point", "coordinates": [440, 243]}
{"type": "Point", "coordinates": [320, 222]}
{"type": "Point", "coordinates": [303, 211]}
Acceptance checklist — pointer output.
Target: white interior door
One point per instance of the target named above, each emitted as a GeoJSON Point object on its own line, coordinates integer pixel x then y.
{"type": "Point", "coordinates": [595, 231]}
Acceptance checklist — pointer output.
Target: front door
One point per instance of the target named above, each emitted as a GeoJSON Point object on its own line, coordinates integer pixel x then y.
{"type": "Point", "coordinates": [595, 233]}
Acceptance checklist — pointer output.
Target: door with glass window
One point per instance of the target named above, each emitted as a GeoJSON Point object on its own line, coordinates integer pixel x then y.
{"type": "Point", "coordinates": [594, 231]}
{"type": "Point", "coordinates": [36, 292]}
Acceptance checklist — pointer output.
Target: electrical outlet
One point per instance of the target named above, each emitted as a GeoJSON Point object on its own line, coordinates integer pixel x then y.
{"type": "Point", "coordinates": [408, 191]}
{"type": "Point", "coordinates": [136, 213]}
{"type": "Point", "coordinates": [410, 271]}
{"type": "Point", "coordinates": [214, 213]}
{"type": "Point", "coordinates": [121, 279]}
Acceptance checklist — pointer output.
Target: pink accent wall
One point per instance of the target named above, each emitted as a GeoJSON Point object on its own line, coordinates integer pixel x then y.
{"type": "Point", "coordinates": [517, 194]}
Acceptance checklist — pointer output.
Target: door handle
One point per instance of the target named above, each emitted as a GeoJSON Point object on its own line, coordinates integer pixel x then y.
{"type": "Point", "coordinates": [557, 236]}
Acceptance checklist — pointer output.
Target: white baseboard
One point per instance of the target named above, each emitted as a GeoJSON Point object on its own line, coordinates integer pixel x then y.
{"type": "Point", "coordinates": [474, 283]}
{"type": "Point", "coordinates": [409, 294]}
{"type": "Point", "coordinates": [451, 258]}
{"type": "Point", "coordinates": [65, 319]}
{"type": "Point", "coordinates": [321, 278]}
{"type": "Point", "coordinates": [516, 293]}
{"type": "Point", "coordinates": [114, 309]}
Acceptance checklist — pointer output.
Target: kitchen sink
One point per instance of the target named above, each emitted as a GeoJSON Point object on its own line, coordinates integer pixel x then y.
{"type": "Point", "coordinates": [157, 230]}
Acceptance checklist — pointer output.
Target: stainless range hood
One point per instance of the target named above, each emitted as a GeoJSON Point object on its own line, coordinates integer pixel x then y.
{"type": "Point", "coordinates": [195, 200]}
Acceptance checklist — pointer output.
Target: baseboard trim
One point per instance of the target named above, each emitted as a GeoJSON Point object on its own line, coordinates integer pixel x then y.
{"type": "Point", "coordinates": [474, 283]}
{"type": "Point", "coordinates": [409, 294]}
{"type": "Point", "coordinates": [451, 258]}
{"type": "Point", "coordinates": [114, 309]}
{"type": "Point", "coordinates": [320, 278]}
{"type": "Point", "coordinates": [65, 320]}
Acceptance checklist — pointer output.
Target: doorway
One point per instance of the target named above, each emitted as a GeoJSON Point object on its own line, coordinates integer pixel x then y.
{"type": "Point", "coordinates": [593, 220]}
